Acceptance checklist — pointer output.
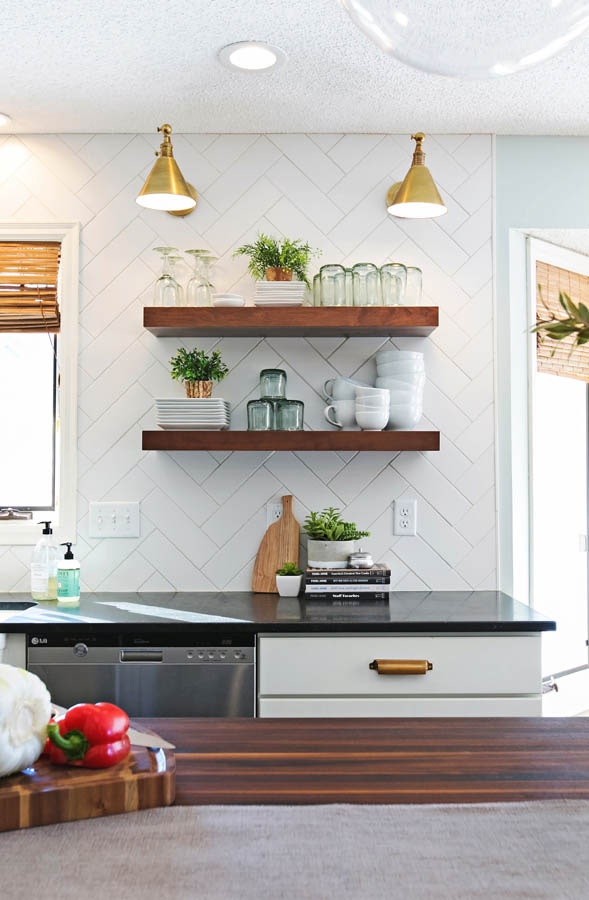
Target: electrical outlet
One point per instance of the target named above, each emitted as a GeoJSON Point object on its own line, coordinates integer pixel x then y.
{"type": "Point", "coordinates": [116, 519]}
{"type": "Point", "coordinates": [273, 512]}
{"type": "Point", "coordinates": [405, 517]}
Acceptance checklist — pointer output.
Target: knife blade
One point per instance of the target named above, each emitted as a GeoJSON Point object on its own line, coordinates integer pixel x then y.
{"type": "Point", "coordinates": [138, 738]}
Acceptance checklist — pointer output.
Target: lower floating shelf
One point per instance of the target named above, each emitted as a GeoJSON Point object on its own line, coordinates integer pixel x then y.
{"type": "Point", "coordinates": [291, 440]}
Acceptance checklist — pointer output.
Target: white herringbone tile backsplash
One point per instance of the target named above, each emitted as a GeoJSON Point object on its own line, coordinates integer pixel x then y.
{"type": "Point", "coordinates": [203, 514]}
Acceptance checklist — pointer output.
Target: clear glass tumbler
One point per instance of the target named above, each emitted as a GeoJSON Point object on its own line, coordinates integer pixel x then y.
{"type": "Point", "coordinates": [273, 384]}
{"type": "Point", "coordinates": [289, 415]}
{"type": "Point", "coordinates": [365, 284]}
{"type": "Point", "coordinates": [333, 285]}
{"type": "Point", "coordinates": [260, 415]}
{"type": "Point", "coordinates": [393, 284]}
{"type": "Point", "coordinates": [413, 289]}
{"type": "Point", "coordinates": [316, 290]}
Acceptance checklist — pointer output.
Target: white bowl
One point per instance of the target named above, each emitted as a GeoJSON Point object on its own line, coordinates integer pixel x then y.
{"type": "Point", "coordinates": [370, 392]}
{"type": "Point", "coordinates": [228, 300]}
{"type": "Point", "coordinates": [372, 419]}
{"type": "Point", "coordinates": [385, 356]}
{"type": "Point", "coordinates": [395, 368]}
{"type": "Point", "coordinates": [407, 381]}
{"type": "Point", "coordinates": [404, 416]}
{"type": "Point", "coordinates": [377, 403]}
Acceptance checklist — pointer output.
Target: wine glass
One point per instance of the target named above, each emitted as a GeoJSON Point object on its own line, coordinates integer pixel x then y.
{"type": "Point", "coordinates": [167, 290]}
{"type": "Point", "coordinates": [197, 284]}
{"type": "Point", "coordinates": [207, 289]}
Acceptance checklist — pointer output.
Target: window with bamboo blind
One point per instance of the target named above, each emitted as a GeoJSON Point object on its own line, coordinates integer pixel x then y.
{"type": "Point", "coordinates": [29, 279]}
{"type": "Point", "coordinates": [555, 357]}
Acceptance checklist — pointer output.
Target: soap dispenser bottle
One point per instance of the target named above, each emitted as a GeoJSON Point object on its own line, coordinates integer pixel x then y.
{"type": "Point", "coordinates": [44, 566]}
{"type": "Point", "coordinates": [68, 578]}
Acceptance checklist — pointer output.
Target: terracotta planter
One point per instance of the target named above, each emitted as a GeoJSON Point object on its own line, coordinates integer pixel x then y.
{"type": "Point", "coordinates": [277, 273]}
{"type": "Point", "coordinates": [198, 388]}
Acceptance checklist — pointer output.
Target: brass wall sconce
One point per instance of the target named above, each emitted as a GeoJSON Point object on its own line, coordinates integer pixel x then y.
{"type": "Point", "coordinates": [165, 187]}
{"type": "Point", "coordinates": [416, 197]}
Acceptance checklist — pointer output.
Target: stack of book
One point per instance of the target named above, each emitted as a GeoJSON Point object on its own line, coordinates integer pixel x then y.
{"type": "Point", "coordinates": [348, 589]}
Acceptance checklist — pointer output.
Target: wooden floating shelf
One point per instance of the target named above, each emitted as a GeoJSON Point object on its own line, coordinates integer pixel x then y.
{"type": "Point", "coordinates": [303, 321]}
{"type": "Point", "coordinates": [291, 440]}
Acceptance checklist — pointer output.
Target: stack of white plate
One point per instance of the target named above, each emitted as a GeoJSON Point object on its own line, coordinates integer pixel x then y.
{"type": "Point", "coordinates": [187, 414]}
{"type": "Point", "coordinates": [280, 293]}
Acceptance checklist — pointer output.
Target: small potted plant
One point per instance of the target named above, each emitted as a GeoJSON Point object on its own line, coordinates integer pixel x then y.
{"type": "Point", "coordinates": [288, 580]}
{"type": "Point", "coordinates": [197, 370]}
{"type": "Point", "coordinates": [277, 260]}
{"type": "Point", "coordinates": [330, 539]}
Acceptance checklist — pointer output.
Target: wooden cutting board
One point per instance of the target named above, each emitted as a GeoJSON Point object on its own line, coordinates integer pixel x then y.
{"type": "Point", "coordinates": [45, 794]}
{"type": "Point", "coordinates": [280, 544]}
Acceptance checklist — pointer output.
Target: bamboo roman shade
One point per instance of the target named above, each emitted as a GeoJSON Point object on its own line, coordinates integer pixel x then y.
{"type": "Point", "coordinates": [29, 285]}
{"type": "Point", "coordinates": [555, 357]}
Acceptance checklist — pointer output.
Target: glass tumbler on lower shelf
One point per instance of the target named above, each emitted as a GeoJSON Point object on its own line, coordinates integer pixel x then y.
{"type": "Point", "coordinates": [366, 284]}
{"type": "Point", "coordinates": [273, 384]}
{"type": "Point", "coordinates": [289, 415]}
{"type": "Point", "coordinates": [393, 283]}
{"type": "Point", "coordinates": [260, 415]}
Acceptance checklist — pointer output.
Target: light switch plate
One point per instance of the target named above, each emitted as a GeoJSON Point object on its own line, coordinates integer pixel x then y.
{"type": "Point", "coordinates": [118, 519]}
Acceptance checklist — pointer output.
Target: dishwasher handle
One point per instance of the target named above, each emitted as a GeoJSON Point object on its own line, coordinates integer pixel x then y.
{"type": "Point", "coordinates": [142, 655]}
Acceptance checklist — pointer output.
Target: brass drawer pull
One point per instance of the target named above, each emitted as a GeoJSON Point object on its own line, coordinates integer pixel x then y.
{"type": "Point", "coordinates": [401, 666]}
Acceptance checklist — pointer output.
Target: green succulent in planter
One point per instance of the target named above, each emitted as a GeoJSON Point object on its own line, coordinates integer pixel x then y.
{"type": "Point", "coordinates": [267, 252]}
{"type": "Point", "coordinates": [196, 365]}
{"type": "Point", "coordinates": [328, 525]}
{"type": "Point", "coordinates": [289, 568]}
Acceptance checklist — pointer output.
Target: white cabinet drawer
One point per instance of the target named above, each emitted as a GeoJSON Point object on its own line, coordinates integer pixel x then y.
{"type": "Point", "coordinates": [339, 665]}
{"type": "Point", "coordinates": [396, 707]}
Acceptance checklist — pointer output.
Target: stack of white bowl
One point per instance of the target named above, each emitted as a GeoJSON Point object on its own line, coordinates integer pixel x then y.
{"type": "Point", "coordinates": [372, 408]}
{"type": "Point", "coordinates": [402, 373]}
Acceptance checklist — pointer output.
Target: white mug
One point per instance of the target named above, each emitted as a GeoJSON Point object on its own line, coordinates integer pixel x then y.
{"type": "Point", "coordinates": [341, 388]}
{"type": "Point", "coordinates": [344, 412]}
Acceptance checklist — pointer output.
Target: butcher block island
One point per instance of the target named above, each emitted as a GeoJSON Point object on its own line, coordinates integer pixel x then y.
{"type": "Point", "coordinates": [421, 653]}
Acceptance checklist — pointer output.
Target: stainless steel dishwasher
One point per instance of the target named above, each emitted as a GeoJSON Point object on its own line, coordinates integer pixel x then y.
{"type": "Point", "coordinates": [148, 676]}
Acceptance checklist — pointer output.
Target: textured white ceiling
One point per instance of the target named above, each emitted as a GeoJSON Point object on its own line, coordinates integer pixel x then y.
{"type": "Point", "coordinates": [129, 65]}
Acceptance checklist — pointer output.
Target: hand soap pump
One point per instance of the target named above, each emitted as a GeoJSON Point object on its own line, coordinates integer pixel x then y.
{"type": "Point", "coordinates": [68, 578]}
{"type": "Point", "coordinates": [44, 566]}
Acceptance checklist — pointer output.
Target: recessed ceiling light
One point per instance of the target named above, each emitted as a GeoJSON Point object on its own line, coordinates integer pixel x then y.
{"type": "Point", "coordinates": [4, 119]}
{"type": "Point", "coordinates": [253, 56]}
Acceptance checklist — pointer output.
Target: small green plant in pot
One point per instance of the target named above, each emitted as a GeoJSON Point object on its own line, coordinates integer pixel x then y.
{"type": "Point", "coordinates": [277, 260]}
{"type": "Point", "coordinates": [288, 579]}
{"type": "Point", "coordinates": [330, 539]}
{"type": "Point", "coordinates": [198, 370]}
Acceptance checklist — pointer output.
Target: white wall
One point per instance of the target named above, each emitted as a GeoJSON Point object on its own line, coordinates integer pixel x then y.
{"type": "Point", "coordinates": [203, 514]}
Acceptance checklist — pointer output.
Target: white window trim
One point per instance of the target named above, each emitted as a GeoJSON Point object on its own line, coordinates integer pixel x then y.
{"type": "Point", "coordinates": [64, 516]}
{"type": "Point", "coordinates": [525, 249]}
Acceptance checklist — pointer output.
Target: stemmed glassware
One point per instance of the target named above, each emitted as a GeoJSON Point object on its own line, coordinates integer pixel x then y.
{"type": "Point", "coordinates": [168, 291]}
{"type": "Point", "coordinates": [199, 290]}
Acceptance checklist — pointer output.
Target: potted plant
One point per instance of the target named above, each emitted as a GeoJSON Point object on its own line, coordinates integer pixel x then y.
{"type": "Point", "coordinates": [330, 539]}
{"type": "Point", "coordinates": [288, 580]}
{"type": "Point", "coordinates": [197, 370]}
{"type": "Point", "coordinates": [277, 260]}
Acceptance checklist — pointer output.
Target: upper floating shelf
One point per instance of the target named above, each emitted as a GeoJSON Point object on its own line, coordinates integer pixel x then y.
{"type": "Point", "coordinates": [303, 321]}
{"type": "Point", "coordinates": [291, 440]}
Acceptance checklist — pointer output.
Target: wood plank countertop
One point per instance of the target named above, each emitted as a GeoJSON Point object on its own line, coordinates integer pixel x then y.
{"type": "Point", "coordinates": [428, 760]}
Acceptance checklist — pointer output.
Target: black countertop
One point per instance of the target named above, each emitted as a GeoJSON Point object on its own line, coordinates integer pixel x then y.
{"type": "Point", "coordinates": [242, 613]}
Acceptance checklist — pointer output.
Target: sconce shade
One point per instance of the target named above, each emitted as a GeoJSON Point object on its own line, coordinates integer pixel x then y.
{"type": "Point", "coordinates": [417, 196]}
{"type": "Point", "coordinates": [165, 187]}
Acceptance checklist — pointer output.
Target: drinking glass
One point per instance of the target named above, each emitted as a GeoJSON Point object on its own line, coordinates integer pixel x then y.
{"type": "Point", "coordinates": [289, 415]}
{"type": "Point", "coordinates": [365, 284]}
{"type": "Point", "coordinates": [167, 290]}
{"type": "Point", "coordinates": [349, 287]}
{"type": "Point", "coordinates": [273, 384]}
{"type": "Point", "coordinates": [197, 290]}
{"type": "Point", "coordinates": [209, 289]}
{"type": "Point", "coordinates": [413, 289]}
{"type": "Point", "coordinates": [333, 285]}
{"type": "Point", "coordinates": [316, 290]}
{"type": "Point", "coordinates": [260, 415]}
{"type": "Point", "coordinates": [393, 282]}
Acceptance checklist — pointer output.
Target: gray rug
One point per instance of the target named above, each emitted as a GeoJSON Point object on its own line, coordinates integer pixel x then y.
{"type": "Point", "coordinates": [457, 852]}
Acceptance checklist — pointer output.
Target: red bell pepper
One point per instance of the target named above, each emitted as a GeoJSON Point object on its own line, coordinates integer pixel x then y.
{"type": "Point", "coordinates": [93, 735]}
